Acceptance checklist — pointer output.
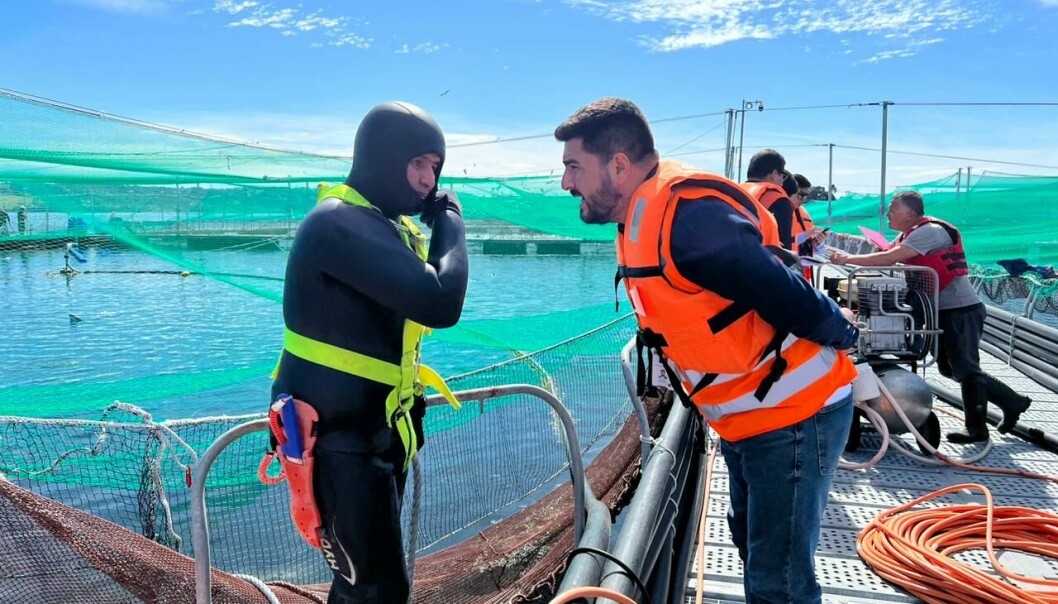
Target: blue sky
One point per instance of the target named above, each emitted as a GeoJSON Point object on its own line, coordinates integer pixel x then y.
{"type": "Point", "coordinates": [300, 74]}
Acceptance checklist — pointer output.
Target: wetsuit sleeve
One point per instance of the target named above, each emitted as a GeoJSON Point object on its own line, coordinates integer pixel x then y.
{"type": "Point", "coordinates": [370, 257]}
{"type": "Point", "coordinates": [718, 249]}
{"type": "Point", "coordinates": [783, 211]}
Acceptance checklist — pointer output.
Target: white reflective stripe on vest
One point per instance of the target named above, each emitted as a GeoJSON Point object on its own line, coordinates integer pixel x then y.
{"type": "Point", "coordinates": [788, 385]}
{"type": "Point", "coordinates": [693, 377]}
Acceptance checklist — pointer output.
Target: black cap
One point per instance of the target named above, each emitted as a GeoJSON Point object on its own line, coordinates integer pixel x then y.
{"type": "Point", "coordinates": [389, 137]}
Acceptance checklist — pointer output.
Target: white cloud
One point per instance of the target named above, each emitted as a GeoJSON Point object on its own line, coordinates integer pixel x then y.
{"type": "Point", "coordinates": [265, 17]}
{"type": "Point", "coordinates": [426, 48]}
{"type": "Point", "coordinates": [708, 23]}
{"type": "Point", "coordinates": [908, 51]}
{"type": "Point", "coordinates": [1049, 2]}
{"type": "Point", "coordinates": [348, 39]}
{"type": "Point", "coordinates": [232, 7]}
{"type": "Point", "coordinates": [314, 21]}
{"type": "Point", "coordinates": [293, 21]}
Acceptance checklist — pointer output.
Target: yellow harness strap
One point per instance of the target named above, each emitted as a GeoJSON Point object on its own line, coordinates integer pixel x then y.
{"type": "Point", "coordinates": [410, 377]}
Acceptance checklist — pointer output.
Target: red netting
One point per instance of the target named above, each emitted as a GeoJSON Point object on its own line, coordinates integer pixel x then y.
{"type": "Point", "coordinates": [54, 554]}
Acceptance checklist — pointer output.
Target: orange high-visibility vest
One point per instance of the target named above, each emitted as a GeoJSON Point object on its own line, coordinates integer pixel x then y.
{"type": "Point", "coordinates": [744, 377]}
{"type": "Point", "coordinates": [767, 194]}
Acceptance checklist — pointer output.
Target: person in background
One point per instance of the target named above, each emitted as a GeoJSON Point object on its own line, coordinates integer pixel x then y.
{"type": "Point", "coordinates": [764, 178]}
{"type": "Point", "coordinates": [934, 243]}
{"type": "Point", "coordinates": [693, 255]}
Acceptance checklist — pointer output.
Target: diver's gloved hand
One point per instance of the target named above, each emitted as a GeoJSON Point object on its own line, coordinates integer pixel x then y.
{"type": "Point", "coordinates": [441, 202]}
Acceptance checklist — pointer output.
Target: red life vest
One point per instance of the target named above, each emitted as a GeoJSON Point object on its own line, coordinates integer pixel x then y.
{"type": "Point", "coordinates": [948, 262]}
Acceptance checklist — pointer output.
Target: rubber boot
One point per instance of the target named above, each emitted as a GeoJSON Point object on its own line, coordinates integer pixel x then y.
{"type": "Point", "coordinates": [975, 407]}
{"type": "Point", "coordinates": [1012, 403]}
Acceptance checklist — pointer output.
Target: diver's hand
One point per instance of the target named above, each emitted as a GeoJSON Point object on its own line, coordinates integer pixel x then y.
{"type": "Point", "coordinates": [442, 201]}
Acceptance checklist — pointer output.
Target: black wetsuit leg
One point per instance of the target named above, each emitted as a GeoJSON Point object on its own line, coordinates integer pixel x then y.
{"type": "Point", "coordinates": [359, 496]}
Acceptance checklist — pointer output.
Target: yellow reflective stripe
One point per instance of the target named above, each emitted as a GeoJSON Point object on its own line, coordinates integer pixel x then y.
{"type": "Point", "coordinates": [344, 192]}
{"type": "Point", "coordinates": [341, 359]}
{"type": "Point", "coordinates": [429, 377]}
{"type": "Point", "coordinates": [407, 436]}
{"type": "Point", "coordinates": [413, 237]}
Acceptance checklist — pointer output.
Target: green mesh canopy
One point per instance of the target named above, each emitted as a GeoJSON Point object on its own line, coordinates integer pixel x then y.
{"type": "Point", "coordinates": [163, 211]}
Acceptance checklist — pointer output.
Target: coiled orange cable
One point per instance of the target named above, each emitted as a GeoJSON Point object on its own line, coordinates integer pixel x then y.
{"type": "Point", "coordinates": [591, 592]}
{"type": "Point", "coordinates": [912, 549]}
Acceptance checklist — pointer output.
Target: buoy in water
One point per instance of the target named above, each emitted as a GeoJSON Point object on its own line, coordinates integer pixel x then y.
{"type": "Point", "coordinates": [76, 253]}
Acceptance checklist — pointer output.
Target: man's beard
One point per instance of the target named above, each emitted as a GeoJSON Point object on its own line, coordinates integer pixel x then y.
{"type": "Point", "coordinates": [603, 202]}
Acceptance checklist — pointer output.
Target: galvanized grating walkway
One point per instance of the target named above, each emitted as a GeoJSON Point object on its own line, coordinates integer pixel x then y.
{"type": "Point", "coordinates": [859, 496]}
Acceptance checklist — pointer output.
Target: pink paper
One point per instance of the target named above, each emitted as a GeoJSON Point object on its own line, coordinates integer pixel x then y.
{"type": "Point", "coordinates": [876, 238]}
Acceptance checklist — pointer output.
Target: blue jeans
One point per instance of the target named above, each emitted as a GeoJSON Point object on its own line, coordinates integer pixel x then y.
{"type": "Point", "coordinates": [779, 484]}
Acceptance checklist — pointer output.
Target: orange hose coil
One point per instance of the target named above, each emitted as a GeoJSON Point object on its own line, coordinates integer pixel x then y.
{"type": "Point", "coordinates": [912, 549]}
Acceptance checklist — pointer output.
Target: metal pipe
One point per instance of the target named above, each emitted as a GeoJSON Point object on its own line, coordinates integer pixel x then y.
{"type": "Point", "coordinates": [645, 440]}
{"type": "Point", "coordinates": [585, 568]}
{"type": "Point", "coordinates": [642, 514]}
{"type": "Point", "coordinates": [685, 555]}
{"type": "Point", "coordinates": [885, 140]}
{"type": "Point", "coordinates": [1037, 328]}
{"type": "Point", "coordinates": [199, 517]}
{"type": "Point", "coordinates": [728, 147]}
{"type": "Point", "coordinates": [660, 584]}
{"type": "Point", "coordinates": [658, 563]}
{"type": "Point", "coordinates": [670, 511]}
{"type": "Point", "coordinates": [741, 135]}
{"type": "Point", "coordinates": [830, 185]}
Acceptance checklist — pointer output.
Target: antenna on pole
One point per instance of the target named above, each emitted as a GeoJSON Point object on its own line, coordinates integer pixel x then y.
{"type": "Point", "coordinates": [759, 106]}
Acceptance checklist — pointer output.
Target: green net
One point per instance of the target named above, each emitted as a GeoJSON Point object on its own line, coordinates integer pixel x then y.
{"type": "Point", "coordinates": [147, 262]}
{"type": "Point", "coordinates": [1001, 217]}
{"type": "Point", "coordinates": [480, 463]}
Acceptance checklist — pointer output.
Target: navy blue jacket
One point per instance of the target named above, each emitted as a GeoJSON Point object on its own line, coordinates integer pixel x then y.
{"type": "Point", "coordinates": [718, 249]}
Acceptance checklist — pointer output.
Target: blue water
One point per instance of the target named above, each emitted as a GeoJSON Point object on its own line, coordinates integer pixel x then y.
{"type": "Point", "coordinates": [125, 333]}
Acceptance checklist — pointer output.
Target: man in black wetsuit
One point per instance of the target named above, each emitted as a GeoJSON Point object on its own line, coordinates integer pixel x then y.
{"type": "Point", "coordinates": [360, 284]}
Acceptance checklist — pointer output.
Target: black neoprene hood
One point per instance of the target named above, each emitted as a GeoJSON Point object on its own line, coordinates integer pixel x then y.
{"type": "Point", "coordinates": [390, 135]}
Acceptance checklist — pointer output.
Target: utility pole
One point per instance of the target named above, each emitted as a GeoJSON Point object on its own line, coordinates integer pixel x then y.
{"type": "Point", "coordinates": [958, 181]}
{"type": "Point", "coordinates": [885, 139]}
{"type": "Point", "coordinates": [759, 106]}
{"type": "Point", "coordinates": [728, 144]}
{"type": "Point", "coordinates": [968, 168]}
{"type": "Point", "coordinates": [830, 186]}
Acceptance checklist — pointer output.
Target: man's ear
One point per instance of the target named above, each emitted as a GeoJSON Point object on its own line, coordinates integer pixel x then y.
{"type": "Point", "coordinates": [619, 166]}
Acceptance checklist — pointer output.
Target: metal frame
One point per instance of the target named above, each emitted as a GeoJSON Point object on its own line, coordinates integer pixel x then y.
{"type": "Point", "coordinates": [645, 439]}
{"type": "Point", "coordinates": [892, 272]}
{"type": "Point", "coordinates": [200, 518]}
{"type": "Point", "coordinates": [638, 545]}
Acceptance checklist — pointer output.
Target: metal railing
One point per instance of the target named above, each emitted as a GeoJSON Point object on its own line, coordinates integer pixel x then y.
{"type": "Point", "coordinates": [646, 441]}
{"type": "Point", "coordinates": [581, 490]}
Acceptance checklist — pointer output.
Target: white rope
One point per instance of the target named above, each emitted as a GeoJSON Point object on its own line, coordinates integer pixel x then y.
{"type": "Point", "coordinates": [936, 459]}
{"type": "Point", "coordinates": [261, 586]}
{"type": "Point", "coordinates": [413, 530]}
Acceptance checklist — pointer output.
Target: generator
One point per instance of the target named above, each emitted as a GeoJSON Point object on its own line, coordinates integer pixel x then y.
{"type": "Point", "coordinates": [896, 310]}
